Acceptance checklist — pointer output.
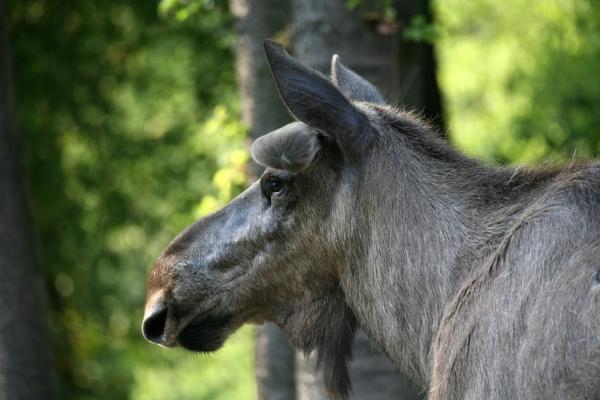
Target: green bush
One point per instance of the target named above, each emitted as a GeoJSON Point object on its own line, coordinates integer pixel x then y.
{"type": "Point", "coordinates": [520, 77]}
{"type": "Point", "coordinates": [133, 132]}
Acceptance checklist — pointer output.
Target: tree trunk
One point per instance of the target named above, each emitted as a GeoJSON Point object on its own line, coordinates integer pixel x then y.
{"type": "Point", "coordinates": [263, 111]}
{"type": "Point", "coordinates": [257, 20]}
{"type": "Point", "coordinates": [26, 365]}
{"type": "Point", "coordinates": [403, 71]}
{"type": "Point", "coordinates": [405, 74]}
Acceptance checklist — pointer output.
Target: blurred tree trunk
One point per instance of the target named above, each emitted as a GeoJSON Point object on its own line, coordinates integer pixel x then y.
{"type": "Point", "coordinates": [26, 366]}
{"type": "Point", "coordinates": [405, 74]}
{"type": "Point", "coordinates": [257, 20]}
{"type": "Point", "coordinates": [263, 111]}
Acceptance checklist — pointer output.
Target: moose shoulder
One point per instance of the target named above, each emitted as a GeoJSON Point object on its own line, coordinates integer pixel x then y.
{"type": "Point", "coordinates": [479, 282]}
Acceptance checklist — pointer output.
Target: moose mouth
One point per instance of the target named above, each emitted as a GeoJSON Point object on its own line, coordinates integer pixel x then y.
{"type": "Point", "coordinates": [205, 335]}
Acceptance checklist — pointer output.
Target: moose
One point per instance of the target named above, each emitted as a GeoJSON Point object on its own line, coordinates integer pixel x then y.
{"type": "Point", "coordinates": [478, 282]}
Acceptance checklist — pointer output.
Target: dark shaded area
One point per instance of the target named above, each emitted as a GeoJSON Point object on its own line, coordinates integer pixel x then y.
{"type": "Point", "coordinates": [26, 363]}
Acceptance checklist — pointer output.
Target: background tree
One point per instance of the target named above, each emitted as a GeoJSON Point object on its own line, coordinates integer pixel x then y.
{"type": "Point", "coordinates": [387, 42]}
{"type": "Point", "coordinates": [26, 363]}
{"type": "Point", "coordinates": [262, 112]}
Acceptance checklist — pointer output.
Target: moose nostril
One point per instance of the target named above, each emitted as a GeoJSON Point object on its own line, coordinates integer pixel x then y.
{"type": "Point", "coordinates": [153, 327]}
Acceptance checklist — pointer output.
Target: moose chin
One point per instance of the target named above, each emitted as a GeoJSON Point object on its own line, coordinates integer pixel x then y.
{"type": "Point", "coordinates": [205, 335]}
{"type": "Point", "coordinates": [478, 282]}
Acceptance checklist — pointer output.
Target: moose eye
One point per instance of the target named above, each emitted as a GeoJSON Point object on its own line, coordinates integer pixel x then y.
{"type": "Point", "coordinates": [272, 185]}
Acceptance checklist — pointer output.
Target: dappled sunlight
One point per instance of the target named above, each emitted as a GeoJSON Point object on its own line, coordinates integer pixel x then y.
{"type": "Point", "coordinates": [520, 78]}
{"type": "Point", "coordinates": [133, 127]}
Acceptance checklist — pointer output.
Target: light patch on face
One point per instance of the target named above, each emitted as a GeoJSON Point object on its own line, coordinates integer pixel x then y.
{"type": "Point", "coordinates": [292, 147]}
{"type": "Point", "coordinates": [153, 302]}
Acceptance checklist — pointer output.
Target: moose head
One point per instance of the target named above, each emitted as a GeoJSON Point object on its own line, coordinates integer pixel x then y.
{"type": "Point", "coordinates": [282, 249]}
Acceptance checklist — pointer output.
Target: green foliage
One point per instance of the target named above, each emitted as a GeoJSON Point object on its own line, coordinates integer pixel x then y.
{"type": "Point", "coordinates": [521, 77]}
{"type": "Point", "coordinates": [420, 30]}
{"type": "Point", "coordinates": [132, 127]}
{"type": "Point", "coordinates": [184, 9]}
{"type": "Point", "coordinates": [181, 378]}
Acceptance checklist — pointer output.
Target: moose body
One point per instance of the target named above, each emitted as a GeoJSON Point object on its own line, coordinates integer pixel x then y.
{"type": "Point", "coordinates": [478, 282]}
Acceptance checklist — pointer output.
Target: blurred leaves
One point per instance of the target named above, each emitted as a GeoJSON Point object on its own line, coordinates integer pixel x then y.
{"type": "Point", "coordinates": [420, 30]}
{"type": "Point", "coordinates": [133, 132]}
{"type": "Point", "coordinates": [181, 10]}
{"type": "Point", "coordinates": [215, 382]}
{"type": "Point", "coordinates": [521, 77]}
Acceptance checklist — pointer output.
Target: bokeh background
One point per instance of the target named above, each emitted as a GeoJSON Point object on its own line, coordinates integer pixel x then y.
{"type": "Point", "coordinates": [131, 118]}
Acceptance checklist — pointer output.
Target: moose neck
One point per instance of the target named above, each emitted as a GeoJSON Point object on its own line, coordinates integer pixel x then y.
{"type": "Point", "coordinates": [416, 237]}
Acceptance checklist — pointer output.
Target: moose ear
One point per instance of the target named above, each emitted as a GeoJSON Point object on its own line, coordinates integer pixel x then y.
{"type": "Point", "coordinates": [314, 100]}
{"type": "Point", "coordinates": [353, 85]}
{"type": "Point", "coordinates": [292, 147]}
